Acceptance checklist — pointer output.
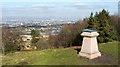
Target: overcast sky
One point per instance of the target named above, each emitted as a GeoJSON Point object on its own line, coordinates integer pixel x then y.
{"type": "Point", "coordinates": [70, 9]}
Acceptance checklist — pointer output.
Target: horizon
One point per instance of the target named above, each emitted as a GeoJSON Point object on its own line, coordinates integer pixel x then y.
{"type": "Point", "coordinates": [55, 10]}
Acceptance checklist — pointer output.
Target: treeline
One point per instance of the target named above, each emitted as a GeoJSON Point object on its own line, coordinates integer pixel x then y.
{"type": "Point", "coordinates": [106, 25]}
{"type": "Point", "coordinates": [10, 39]}
{"type": "Point", "coordinates": [69, 35]}
{"type": "Point", "coordinates": [115, 19]}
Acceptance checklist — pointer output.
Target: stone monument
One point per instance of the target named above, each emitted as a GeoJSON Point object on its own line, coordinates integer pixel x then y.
{"type": "Point", "coordinates": [89, 47]}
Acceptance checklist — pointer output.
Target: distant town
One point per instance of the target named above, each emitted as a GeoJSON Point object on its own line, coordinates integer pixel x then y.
{"type": "Point", "coordinates": [45, 27]}
{"type": "Point", "coordinates": [40, 23]}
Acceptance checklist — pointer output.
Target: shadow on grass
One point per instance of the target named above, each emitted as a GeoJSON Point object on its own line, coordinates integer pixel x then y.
{"type": "Point", "coordinates": [78, 50]}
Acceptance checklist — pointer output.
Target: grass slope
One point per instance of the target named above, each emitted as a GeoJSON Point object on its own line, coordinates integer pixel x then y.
{"type": "Point", "coordinates": [61, 56]}
{"type": "Point", "coordinates": [110, 48]}
{"type": "Point", "coordinates": [45, 57]}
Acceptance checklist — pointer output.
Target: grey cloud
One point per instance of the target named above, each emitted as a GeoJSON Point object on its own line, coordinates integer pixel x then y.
{"type": "Point", "coordinates": [88, 6]}
{"type": "Point", "coordinates": [43, 6]}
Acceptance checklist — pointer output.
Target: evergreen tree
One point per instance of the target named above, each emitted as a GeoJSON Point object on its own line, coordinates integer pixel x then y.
{"type": "Point", "coordinates": [91, 22]}
{"type": "Point", "coordinates": [34, 33]}
{"type": "Point", "coordinates": [101, 22]}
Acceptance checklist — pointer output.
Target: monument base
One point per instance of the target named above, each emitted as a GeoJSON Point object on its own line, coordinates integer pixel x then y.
{"type": "Point", "coordinates": [90, 55]}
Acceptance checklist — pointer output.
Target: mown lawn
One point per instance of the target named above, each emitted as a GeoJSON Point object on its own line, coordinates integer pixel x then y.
{"type": "Point", "coordinates": [62, 56]}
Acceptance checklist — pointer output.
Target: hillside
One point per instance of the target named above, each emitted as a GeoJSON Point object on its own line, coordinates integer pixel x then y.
{"type": "Point", "coordinates": [62, 56]}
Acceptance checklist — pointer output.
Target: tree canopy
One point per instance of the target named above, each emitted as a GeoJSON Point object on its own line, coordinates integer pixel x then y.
{"type": "Point", "coordinates": [34, 33]}
{"type": "Point", "coordinates": [101, 22]}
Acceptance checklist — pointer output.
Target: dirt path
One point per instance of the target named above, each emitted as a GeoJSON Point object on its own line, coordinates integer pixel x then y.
{"type": "Point", "coordinates": [105, 59]}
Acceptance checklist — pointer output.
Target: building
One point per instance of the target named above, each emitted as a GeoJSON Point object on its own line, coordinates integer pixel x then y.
{"type": "Point", "coordinates": [26, 37]}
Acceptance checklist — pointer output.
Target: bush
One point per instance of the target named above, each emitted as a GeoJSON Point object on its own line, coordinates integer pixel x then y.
{"type": "Point", "coordinates": [42, 44]}
{"type": "Point", "coordinates": [10, 48]}
{"type": "Point", "coordinates": [10, 39]}
{"type": "Point", "coordinates": [35, 40]}
{"type": "Point", "coordinates": [69, 35]}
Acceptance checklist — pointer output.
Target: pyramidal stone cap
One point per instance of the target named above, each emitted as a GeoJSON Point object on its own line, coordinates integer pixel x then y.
{"type": "Point", "coordinates": [89, 33]}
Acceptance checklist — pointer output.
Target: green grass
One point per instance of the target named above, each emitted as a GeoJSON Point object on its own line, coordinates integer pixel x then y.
{"type": "Point", "coordinates": [61, 56]}
{"type": "Point", "coordinates": [110, 48]}
{"type": "Point", "coordinates": [45, 57]}
{"type": "Point", "coordinates": [0, 58]}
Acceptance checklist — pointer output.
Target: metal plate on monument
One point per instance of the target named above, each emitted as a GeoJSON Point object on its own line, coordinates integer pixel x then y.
{"type": "Point", "coordinates": [88, 30]}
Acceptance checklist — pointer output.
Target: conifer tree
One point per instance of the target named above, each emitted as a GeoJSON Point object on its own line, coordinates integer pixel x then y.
{"type": "Point", "coordinates": [101, 22]}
